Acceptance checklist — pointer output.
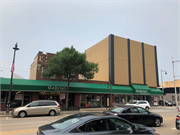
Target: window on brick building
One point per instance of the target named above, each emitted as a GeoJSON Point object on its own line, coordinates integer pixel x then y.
{"type": "Point", "coordinates": [66, 77]}
{"type": "Point", "coordinates": [46, 68]}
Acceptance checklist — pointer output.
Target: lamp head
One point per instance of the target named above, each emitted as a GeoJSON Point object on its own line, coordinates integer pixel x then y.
{"type": "Point", "coordinates": [16, 48]}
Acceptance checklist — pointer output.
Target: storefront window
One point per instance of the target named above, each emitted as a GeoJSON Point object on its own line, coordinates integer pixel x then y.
{"type": "Point", "coordinates": [90, 100]}
{"type": "Point", "coordinates": [83, 100]}
{"type": "Point", "coordinates": [129, 98]}
{"type": "Point", "coordinates": [3, 96]}
{"type": "Point", "coordinates": [123, 101]}
{"type": "Point", "coordinates": [49, 96]}
{"type": "Point", "coordinates": [116, 100]}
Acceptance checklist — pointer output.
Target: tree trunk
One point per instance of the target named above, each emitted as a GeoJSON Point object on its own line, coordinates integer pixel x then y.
{"type": "Point", "coordinates": [67, 93]}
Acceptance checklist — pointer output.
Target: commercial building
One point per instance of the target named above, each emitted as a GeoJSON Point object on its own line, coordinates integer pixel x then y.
{"type": "Point", "coordinates": [169, 90]}
{"type": "Point", "coordinates": [130, 66]}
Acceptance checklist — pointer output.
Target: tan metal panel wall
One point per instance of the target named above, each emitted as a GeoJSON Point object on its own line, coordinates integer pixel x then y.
{"type": "Point", "coordinates": [121, 72]}
{"type": "Point", "coordinates": [136, 62]}
{"type": "Point", "coordinates": [150, 66]}
{"type": "Point", "coordinates": [171, 84]}
{"type": "Point", "coordinates": [99, 53]}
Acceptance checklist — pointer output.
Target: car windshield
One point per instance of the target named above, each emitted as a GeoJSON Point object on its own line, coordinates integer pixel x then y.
{"type": "Point", "coordinates": [65, 122]}
{"type": "Point", "coordinates": [132, 102]}
{"type": "Point", "coordinates": [118, 109]}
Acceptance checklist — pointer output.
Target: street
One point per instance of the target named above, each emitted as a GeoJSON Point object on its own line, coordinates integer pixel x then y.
{"type": "Point", "coordinates": [29, 125]}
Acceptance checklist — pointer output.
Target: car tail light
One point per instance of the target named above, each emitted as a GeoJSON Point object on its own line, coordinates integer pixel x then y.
{"type": "Point", "coordinates": [178, 108]}
{"type": "Point", "coordinates": [177, 118]}
{"type": "Point", "coordinates": [157, 133]}
{"type": "Point", "coordinates": [58, 105]}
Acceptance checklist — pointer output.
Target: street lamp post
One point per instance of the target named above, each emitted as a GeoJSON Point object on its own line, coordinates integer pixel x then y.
{"type": "Point", "coordinates": [10, 89]}
{"type": "Point", "coordinates": [110, 94]}
{"type": "Point", "coordinates": [175, 81]}
{"type": "Point", "coordinates": [162, 85]}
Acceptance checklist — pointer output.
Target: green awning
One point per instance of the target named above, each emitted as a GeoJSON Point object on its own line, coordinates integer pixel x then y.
{"type": "Point", "coordinates": [61, 86]}
{"type": "Point", "coordinates": [75, 87]}
{"type": "Point", "coordinates": [156, 91]}
{"type": "Point", "coordinates": [141, 89]}
{"type": "Point", "coordinates": [122, 89]}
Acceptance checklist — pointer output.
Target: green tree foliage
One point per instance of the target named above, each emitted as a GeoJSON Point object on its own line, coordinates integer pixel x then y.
{"type": "Point", "coordinates": [68, 62]}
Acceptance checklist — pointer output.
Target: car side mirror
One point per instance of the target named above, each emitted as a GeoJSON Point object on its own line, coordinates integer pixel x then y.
{"type": "Point", "coordinates": [135, 128]}
{"type": "Point", "coordinates": [28, 106]}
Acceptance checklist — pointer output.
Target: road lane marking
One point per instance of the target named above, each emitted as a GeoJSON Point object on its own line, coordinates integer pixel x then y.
{"type": "Point", "coordinates": [24, 123]}
{"type": "Point", "coordinates": [169, 118]}
{"type": "Point", "coordinates": [21, 131]}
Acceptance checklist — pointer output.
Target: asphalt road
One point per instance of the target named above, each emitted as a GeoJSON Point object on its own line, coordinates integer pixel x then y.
{"type": "Point", "coordinates": [29, 125]}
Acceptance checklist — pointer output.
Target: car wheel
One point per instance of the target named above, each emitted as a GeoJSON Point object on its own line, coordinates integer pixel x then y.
{"type": "Point", "coordinates": [22, 114]}
{"type": "Point", "coordinates": [157, 122]}
{"type": "Point", "coordinates": [52, 113]}
{"type": "Point", "coordinates": [147, 108]}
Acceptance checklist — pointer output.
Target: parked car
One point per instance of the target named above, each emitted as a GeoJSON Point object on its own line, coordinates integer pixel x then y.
{"type": "Point", "coordinates": [137, 115]}
{"type": "Point", "coordinates": [141, 103]}
{"type": "Point", "coordinates": [38, 107]}
{"type": "Point", "coordinates": [167, 103]}
{"type": "Point", "coordinates": [174, 104]}
{"type": "Point", "coordinates": [93, 123]}
{"type": "Point", "coordinates": [178, 122]}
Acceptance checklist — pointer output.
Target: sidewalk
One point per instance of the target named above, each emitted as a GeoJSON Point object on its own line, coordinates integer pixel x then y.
{"type": "Point", "coordinates": [3, 113]}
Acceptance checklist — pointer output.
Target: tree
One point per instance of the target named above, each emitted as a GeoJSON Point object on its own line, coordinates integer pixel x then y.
{"type": "Point", "coordinates": [68, 62]}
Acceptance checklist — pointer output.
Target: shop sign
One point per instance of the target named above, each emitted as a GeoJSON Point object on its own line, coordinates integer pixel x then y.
{"type": "Point", "coordinates": [18, 97]}
{"type": "Point", "coordinates": [98, 98]}
{"type": "Point", "coordinates": [155, 103]}
{"type": "Point", "coordinates": [57, 88]}
{"type": "Point", "coordinates": [62, 96]}
{"type": "Point", "coordinates": [142, 91]}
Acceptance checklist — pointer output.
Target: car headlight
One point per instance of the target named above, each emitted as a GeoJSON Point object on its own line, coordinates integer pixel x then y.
{"type": "Point", "coordinates": [16, 109]}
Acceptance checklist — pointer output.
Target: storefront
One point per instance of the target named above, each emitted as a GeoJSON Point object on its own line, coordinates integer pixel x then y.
{"type": "Point", "coordinates": [80, 94]}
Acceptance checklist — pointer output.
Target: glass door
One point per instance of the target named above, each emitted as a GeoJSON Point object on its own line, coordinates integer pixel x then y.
{"type": "Point", "coordinates": [27, 99]}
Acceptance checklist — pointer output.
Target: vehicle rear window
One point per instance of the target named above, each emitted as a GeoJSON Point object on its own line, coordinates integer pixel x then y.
{"type": "Point", "coordinates": [117, 109]}
{"type": "Point", "coordinates": [141, 102]}
{"type": "Point", "coordinates": [52, 103]}
{"type": "Point", "coordinates": [65, 122]}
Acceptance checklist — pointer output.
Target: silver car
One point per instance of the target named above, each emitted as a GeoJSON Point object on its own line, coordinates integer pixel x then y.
{"type": "Point", "coordinates": [39, 107]}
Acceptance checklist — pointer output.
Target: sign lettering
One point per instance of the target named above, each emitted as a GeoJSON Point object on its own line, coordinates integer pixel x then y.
{"type": "Point", "coordinates": [57, 88]}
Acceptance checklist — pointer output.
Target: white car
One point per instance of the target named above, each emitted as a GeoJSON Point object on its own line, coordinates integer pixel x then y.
{"type": "Point", "coordinates": [141, 103]}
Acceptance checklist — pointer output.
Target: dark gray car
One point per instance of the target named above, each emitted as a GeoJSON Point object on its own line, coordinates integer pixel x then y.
{"type": "Point", "coordinates": [93, 123]}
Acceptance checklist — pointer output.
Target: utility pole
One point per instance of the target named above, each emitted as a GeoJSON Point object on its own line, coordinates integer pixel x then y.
{"type": "Point", "coordinates": [174, 83]}
{"type": "Point", "coordinates": [162, 85]}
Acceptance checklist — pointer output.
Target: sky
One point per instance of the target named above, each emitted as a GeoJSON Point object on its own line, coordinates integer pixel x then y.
{"type": "Point", "coordinates": [51, 25]}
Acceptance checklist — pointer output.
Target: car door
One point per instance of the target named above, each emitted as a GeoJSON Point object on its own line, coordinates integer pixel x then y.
{"type": "Point", "coordinates": [97, 126]}
{"type": "Point", "coordinates": [44, 107]}
{"type": "Point", "coordinates": [133, 115]}
{"type": "Point", "coordinates": [118, 126]}
{"type": "Point", "coordinates": [145, 116]}
{"type": "Point", "coordinates": [33, 108]}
